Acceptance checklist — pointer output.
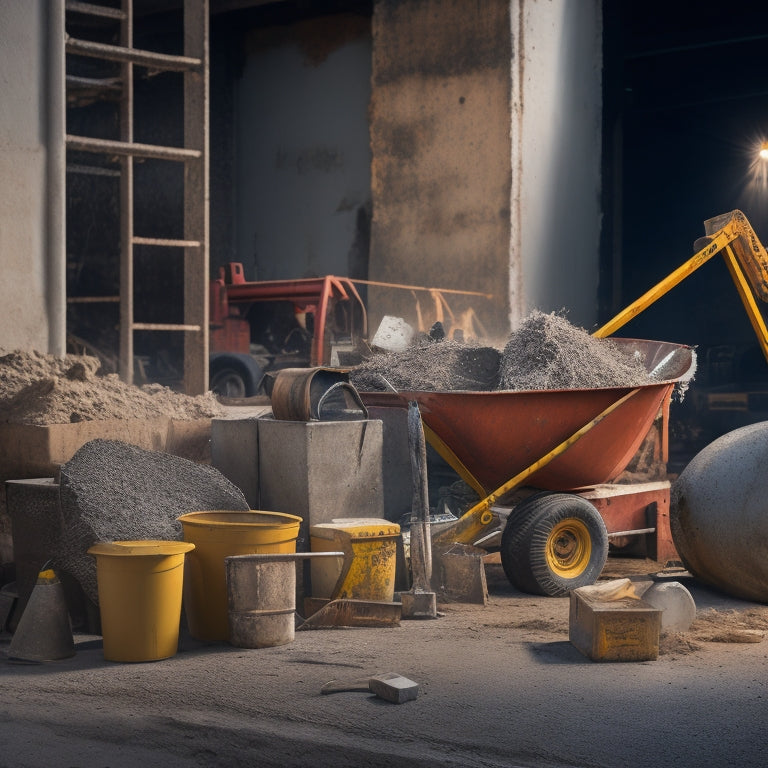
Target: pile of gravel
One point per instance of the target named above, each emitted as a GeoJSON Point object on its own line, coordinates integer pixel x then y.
{"type": "Point", "coordinates": [545, 352]}
{"type": "Point", "coordinates": [432, 366]}
{"type": "Point", "coordinates": [113, 491]}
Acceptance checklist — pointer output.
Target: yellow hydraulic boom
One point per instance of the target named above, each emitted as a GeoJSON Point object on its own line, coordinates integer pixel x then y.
{"type": "Point", "coordinates": [747, 262]}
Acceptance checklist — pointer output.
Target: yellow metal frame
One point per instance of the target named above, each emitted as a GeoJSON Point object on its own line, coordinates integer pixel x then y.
{"type": "Point", "coordinates": [746, 259]}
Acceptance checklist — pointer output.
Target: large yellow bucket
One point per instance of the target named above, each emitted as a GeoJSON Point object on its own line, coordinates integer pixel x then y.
{"type": "Point", "coordinates": [218, 534]}
{"type": "Point", "coordinates": [140, 591]}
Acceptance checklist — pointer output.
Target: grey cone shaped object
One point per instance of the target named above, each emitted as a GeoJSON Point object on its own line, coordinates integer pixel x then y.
{"type": "Point", "coordinates": [44, 632]}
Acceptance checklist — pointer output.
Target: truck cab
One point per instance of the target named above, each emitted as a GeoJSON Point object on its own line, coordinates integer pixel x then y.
{"type": "Point", "coordinates": [259, 327]}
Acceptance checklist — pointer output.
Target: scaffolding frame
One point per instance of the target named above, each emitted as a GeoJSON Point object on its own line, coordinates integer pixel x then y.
{"type": "Point", "coordinates": [194, 64]}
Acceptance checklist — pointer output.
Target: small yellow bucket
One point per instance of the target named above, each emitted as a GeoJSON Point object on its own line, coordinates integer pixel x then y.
{"type": "Point", "coordinates": [140, 592]}
{"type": "Point", "coordinates": [367, 570]}
{"type": "Point", "coordinates": [218, 534]}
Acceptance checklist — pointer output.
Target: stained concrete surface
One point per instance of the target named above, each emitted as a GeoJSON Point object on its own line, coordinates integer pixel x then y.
{"type": "Point", "coordinates": [500, 686]}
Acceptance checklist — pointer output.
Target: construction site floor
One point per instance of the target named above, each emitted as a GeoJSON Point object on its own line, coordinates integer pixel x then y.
{"type": "Point", "coordinates": [500, 685]}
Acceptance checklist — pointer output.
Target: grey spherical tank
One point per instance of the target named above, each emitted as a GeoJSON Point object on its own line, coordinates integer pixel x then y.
{"type": "Point", "coordinates": [719, 513]}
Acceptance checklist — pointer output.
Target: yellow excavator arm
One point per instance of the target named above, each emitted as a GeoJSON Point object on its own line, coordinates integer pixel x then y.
{"type": "Point", "coordinates": [732, 235]}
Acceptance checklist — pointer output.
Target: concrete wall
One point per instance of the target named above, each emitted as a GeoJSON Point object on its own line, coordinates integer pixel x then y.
{"type": "Point", "coordinates": [31, 203]}
{"type": "Point", "coordinates": [441, 160]}
{"type": "Point", "coordinates": [486, 140]}
{"type": "Point", "coordinates": [556, 157]}
{"type": "Point", "coordinates": [302, 149]}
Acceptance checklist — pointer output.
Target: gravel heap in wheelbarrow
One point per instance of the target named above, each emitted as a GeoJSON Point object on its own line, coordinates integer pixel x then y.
{"type": "Point", "coordinates": [431, 365]}
{"type": "Point", "coordinates": [545, 352]}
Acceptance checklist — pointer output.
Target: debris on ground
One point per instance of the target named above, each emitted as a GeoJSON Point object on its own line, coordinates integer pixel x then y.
{"type": "Point", "coordinates": [545, 352]}
{"type": "Point", "coordinates": [112, 491]}
{"type": "Point", "coordinates": [41, 389]}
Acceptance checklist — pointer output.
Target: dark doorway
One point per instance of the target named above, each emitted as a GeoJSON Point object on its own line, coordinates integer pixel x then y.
{"type": "Point", "coordinates": [686, 112]}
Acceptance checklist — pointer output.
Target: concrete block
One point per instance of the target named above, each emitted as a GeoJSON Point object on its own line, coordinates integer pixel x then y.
{"type": "Point", "coordinates": [321, 470]}
{"type": "Point", "coordinates": [677, 606]}
{"type": "Point", "coordinates": [608, 623]}
{"type": "Point", "coordinates": [34, 508]}
{"type": "Point", "coordinates": [235, 453]}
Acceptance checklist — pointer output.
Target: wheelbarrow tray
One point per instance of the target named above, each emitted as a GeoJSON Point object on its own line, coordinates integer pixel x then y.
{"type": "Point", "coordinates": [496, 435]}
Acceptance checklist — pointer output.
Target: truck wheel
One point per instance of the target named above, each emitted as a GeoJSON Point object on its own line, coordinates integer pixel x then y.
{"type": "Point", "coordinates": [234, 375]}
{"type": "Point", "coordinates": [554, 543]}
{"type": "Point", "coordinates": [229, 382]}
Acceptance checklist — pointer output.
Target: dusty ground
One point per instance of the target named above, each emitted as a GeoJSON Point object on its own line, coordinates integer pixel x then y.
{"type": "Point", "coordinates": [499, 686]}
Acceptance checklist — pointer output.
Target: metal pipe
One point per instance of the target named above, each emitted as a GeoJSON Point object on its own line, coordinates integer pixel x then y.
{"type": "Point", "coordinates": [56, 268]}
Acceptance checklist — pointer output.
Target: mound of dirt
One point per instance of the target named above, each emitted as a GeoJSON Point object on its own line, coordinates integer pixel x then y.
{"type": "Point", "coordinates": [42, 389]}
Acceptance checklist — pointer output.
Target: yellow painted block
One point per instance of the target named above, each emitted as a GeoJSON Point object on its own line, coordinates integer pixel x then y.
{"type": "Point", "coordinates": [367, 570]}
{"type": "Point", "coordinates": [622, 628]}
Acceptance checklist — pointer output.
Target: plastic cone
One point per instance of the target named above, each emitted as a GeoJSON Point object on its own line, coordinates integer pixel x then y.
{"type": "Point", "coordinates": [44, 632]}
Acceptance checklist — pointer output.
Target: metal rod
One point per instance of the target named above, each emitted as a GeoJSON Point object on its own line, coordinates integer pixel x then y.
{"type": "Point", "coordinates": [130, 149]}
{"type": "Point", "coordinates": [92, 170]}
{"type": "Point", "coordinates": [631, 533]}
{"type": "Point", "coordinates": [93, 299]}
{"type": "Point", "coordinates": [421, 288]}
{"type": "Point", "coordinates": [166, 327]}
{"type": "Point", "coordinates": [166, 242]}
{"type": "Point", "coordinates": [421, 543]}
{"type": "Point", "coordinates": [152, 59]}
{"type": "Point", "coordinates": [90, 9]}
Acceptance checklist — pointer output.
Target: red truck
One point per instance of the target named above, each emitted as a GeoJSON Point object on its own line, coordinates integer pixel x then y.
{"type": "Point", "coordinates": [260, 327]}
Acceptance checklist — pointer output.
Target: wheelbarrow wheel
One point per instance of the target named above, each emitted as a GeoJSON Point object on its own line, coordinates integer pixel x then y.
{"type": "Point", "coordinates": [553, 543]}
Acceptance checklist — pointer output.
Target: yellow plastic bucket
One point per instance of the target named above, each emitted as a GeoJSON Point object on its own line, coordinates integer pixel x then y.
{"type": "Point", "coordinates": [218, 534]}
{"type": "Point", "coordinates": [140, 591]}
{"type": "Point", "coordinates": [367, 570]}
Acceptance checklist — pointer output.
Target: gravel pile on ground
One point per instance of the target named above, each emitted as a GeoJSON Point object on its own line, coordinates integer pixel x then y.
{"type": "Point", "coordinates": [112, 491]}
{"type": "Point", "coordinates": [45, 389]}
{"type": "Point", "coordinates": [545, 352]}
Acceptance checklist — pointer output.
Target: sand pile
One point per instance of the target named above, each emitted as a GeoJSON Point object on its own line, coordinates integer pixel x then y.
{"type": "Point", "coordinates": [44, 389]}
{"type": "Point", "coordinates": [545, 352]}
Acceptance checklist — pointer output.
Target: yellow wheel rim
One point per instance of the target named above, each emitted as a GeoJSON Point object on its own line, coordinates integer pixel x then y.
{"type": "Point", "coordinates": [569, 548]}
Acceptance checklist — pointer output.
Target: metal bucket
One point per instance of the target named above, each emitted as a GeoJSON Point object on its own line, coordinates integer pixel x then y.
{"type": "Point", "coordinates": [315, 394]}
{"type": "Point", "coordinates": [217, 535]}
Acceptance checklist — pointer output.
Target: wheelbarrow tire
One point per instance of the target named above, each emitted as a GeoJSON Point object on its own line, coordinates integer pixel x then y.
{"type": "Point", "coordinates": [554, 543]}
